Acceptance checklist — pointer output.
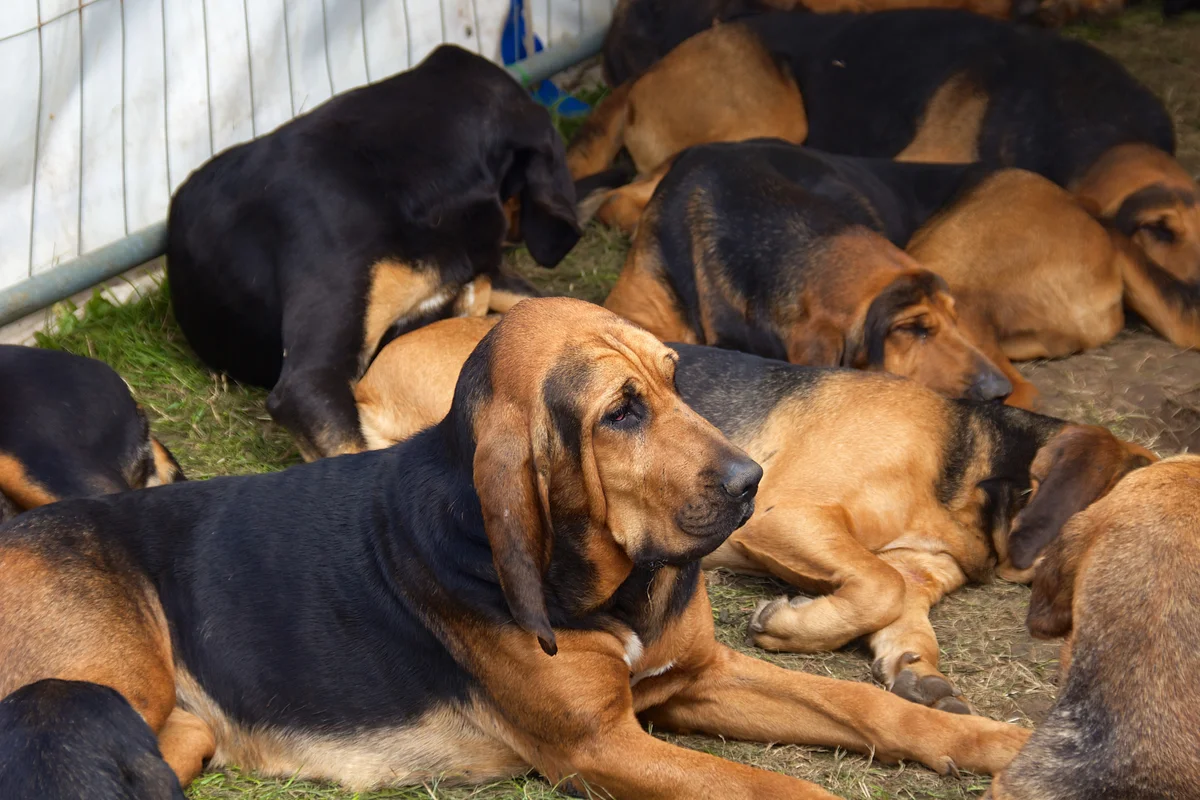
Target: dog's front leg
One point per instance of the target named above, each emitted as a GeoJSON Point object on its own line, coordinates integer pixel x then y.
{"type": "Point", "coordinates": [571, 716]}
{"type": "Point", "coordinates": [744, 698]}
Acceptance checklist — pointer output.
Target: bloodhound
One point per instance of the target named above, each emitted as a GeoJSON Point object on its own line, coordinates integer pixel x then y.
{"type": "Point", "coordinates": [981, 91]}
{"type": "Point", "coordinates": [1032, 274]}
{"type": "Point", "coordinates": [70, 740]}
{"type": "Point", "coordinates": [70, 428]}
{"type": "Point", "coordinates": [877, 495]}
{"type": "Point", "coordinates": [643, 31]}
{"type": "Point", "coordinates": [292, 258]}
{"type": "Point", "coordinates": [516, 587]}
{"type": "Point", "coordinates": [1122, 584]}
{"type": "Point", "coordinates": [769, 249]}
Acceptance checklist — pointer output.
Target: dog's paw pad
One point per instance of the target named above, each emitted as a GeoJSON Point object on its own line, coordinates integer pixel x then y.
{"type": "Point", "coordinates": [764, 611]}
{"type": "Point", "coordinates": [952, 705]}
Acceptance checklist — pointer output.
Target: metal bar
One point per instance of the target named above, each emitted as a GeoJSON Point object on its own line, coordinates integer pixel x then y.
{"type": "Point", "coordinates": [141, 246]}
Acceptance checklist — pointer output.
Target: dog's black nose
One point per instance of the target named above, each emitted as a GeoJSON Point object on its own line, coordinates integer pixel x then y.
{"type": "Point", "coordinates": [740, 478]}
{"type": "Point", "coordinates": [990, 386]}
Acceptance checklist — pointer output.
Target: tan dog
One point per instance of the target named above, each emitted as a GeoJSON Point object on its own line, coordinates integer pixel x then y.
{"type": "Point", "coordinates": [878, 495]}
{"type": "Point", "coordinates": [1122, 584]}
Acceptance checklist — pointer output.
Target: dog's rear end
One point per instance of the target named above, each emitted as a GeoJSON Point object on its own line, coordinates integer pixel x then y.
{"type": "Point", "coordinates": [70, 740]}
{"type": "Point", "coordinates": [1122, 583]}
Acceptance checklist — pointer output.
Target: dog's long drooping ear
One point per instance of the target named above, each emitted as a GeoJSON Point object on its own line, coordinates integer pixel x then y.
{"type": "Point", "coordinates": [1074, 469]}
{"type": "Point", "coordinates": [512, 495]}
{"type": "Point", "coordinates": [549, 222]}
{"type": "Point", "coordinates": [1050, 613]}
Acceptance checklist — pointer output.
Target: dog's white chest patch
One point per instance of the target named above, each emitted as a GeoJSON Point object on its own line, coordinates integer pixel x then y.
{"type": "Point", "coordinates": [633, 654]}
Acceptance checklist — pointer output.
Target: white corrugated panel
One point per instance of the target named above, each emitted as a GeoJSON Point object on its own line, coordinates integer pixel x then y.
{"type": "Point", "coordinates": [110, 104]}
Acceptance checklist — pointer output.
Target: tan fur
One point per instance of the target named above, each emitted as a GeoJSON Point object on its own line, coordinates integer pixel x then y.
{"type": "Point", "coordinates": [430, 357]}
{"type": "Point", "coordinates": [117, 637]}
{"type": "Point", "coordinates": [1034, 274]}
{"type": "Point", "coordinates": [448, 744]}
{"type": "Point", "coordinates": [1121, 174]}
{"type": "Point", "coordinates": [24, 492]}
{"type": "Point", "coordinates": [817, 321]}
{"type": "Point", "coordinates": [746, 95]}
{"type": "Point", "coordinates": [1120, 585]}
{"type": "Point", "coordinates": [949, 128]}
{"type": "Point", "coordinates": [397, 291]}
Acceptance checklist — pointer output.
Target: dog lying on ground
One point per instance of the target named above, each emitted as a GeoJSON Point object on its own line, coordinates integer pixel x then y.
{"type": "Point", "coordinates": [70, 428]}
{"type": "Point", "coordinates": [68, 740]}
{"type": "Point", "coordinates": [1121, 584]}
{"type": "Point", "coordinates": [1031, 274]}
{"type": "Point", "coordinates": [878, 495]}
{"type": "Point", "coordinates": [981, 91]}
{"type": "Point", "coordinates": [292, 258]}
{"type": "Point", "coordinates": [767, 249]}
{"type": "Point", "coordinates": [513, 588]}
{"type": "Point", "coordinates": [643, 31]}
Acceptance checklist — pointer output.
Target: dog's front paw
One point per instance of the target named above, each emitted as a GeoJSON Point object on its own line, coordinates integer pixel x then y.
{"type": "Point", "coordinates": [920, 683]}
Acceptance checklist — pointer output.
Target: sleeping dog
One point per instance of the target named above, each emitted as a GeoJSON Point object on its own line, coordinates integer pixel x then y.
{"type": "Point", "coordinates": [1122, 584]}
{"type": "Point", "coordinates": [516, 587]}
{"type": "Point", "coordinates": [767, 249]}
{"type": "Point", "coordinates": [977, 90]}
{"type": "Point", "coordinates": [293, 257]}
{"type": "Point", "coordinates": [70, 428]}
{"type": "Point", "coordinates": [877, 495]}
{"type": "Point", "coordinates": [1032, 275]}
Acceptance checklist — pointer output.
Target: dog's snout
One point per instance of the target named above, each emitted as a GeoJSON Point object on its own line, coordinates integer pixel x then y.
{"type": "Point", "coordinates": [740, 478]}
{"type": "Point", "coordinates": [990, 385]}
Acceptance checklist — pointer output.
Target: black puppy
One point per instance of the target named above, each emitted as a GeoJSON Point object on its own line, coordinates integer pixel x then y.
{"type": "Point", "coordinates": [72, 740]}
{"type": "Point", "coordinates": [70, 428]}
{"type": "Point", "coordinates": [294, 257]}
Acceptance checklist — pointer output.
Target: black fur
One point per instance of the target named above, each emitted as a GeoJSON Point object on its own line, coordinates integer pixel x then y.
{"type": "Point", "coordinates": [1054, 104]}
{"type": "Point", "coordinates": [72, 424]}
{"type": "Point", "coordinates": [67, 740]}
{"type": "Point", "coordinates": [768, 209]}
{"type": "Point", "coordinates": [270, 244]}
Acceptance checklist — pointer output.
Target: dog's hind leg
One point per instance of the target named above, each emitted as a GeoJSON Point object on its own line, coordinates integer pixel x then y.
{"type": "Point", "coordinates": [186, 742]}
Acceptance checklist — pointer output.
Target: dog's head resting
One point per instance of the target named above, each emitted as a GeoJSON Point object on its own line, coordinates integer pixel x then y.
{"type": "Point", "coordinates": [911, 328]}
{"type": "Point", "coordinates": [1146, 196]}
{"type": "Point", "coordinates": [1079, 465]}
{"type": "Point", "coordinates": [585, 459]}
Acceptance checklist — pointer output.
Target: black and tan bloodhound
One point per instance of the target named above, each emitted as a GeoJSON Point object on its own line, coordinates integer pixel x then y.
{"type": "Point", "coordinates": [878, 495]}
{"type": "Point", "coordinates": [980, 90]}
{"type": "Point", "coordinates": [785, 251]}
{"type": "Point", "coordinates": [69, 428]}
{"type": "Point", "coordinates": [72, 740]}
{"type": "Point", "coordinates": [293, 257]}
{"type": "Point", "coordinates": [766, 248]}
{"type": "Point", "coordinates": [643, 31]}
{"type": "Point", "coordinates": [518, 586]}
{"type": "Point", "coordinates": [1122, 584]}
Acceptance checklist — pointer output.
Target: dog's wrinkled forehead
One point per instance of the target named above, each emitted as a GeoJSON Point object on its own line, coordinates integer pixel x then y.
{"type": "Point", "coordinates": [543, 337]}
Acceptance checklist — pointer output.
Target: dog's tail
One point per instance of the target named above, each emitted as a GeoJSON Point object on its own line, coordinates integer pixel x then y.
{"type": "Point", "coordinates": [602, 136]}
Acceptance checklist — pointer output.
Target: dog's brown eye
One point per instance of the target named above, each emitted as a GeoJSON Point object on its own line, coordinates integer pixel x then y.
{"type": "Point", "coordinates": [625, 416]}
{"type": "Point", "coordinates": [915, 329]}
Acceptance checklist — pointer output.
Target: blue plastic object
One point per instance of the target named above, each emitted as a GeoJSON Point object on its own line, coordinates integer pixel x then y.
{"type": "Point", "coordinates": [512, 50]}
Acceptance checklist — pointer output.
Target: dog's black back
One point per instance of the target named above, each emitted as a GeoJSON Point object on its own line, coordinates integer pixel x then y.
{"type": "Point", "coordinates": [68, 740]}
{"type": "Point", "coordinates": [412, 168]}
{"type": "Point", "coordinates": [1054, 105]}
